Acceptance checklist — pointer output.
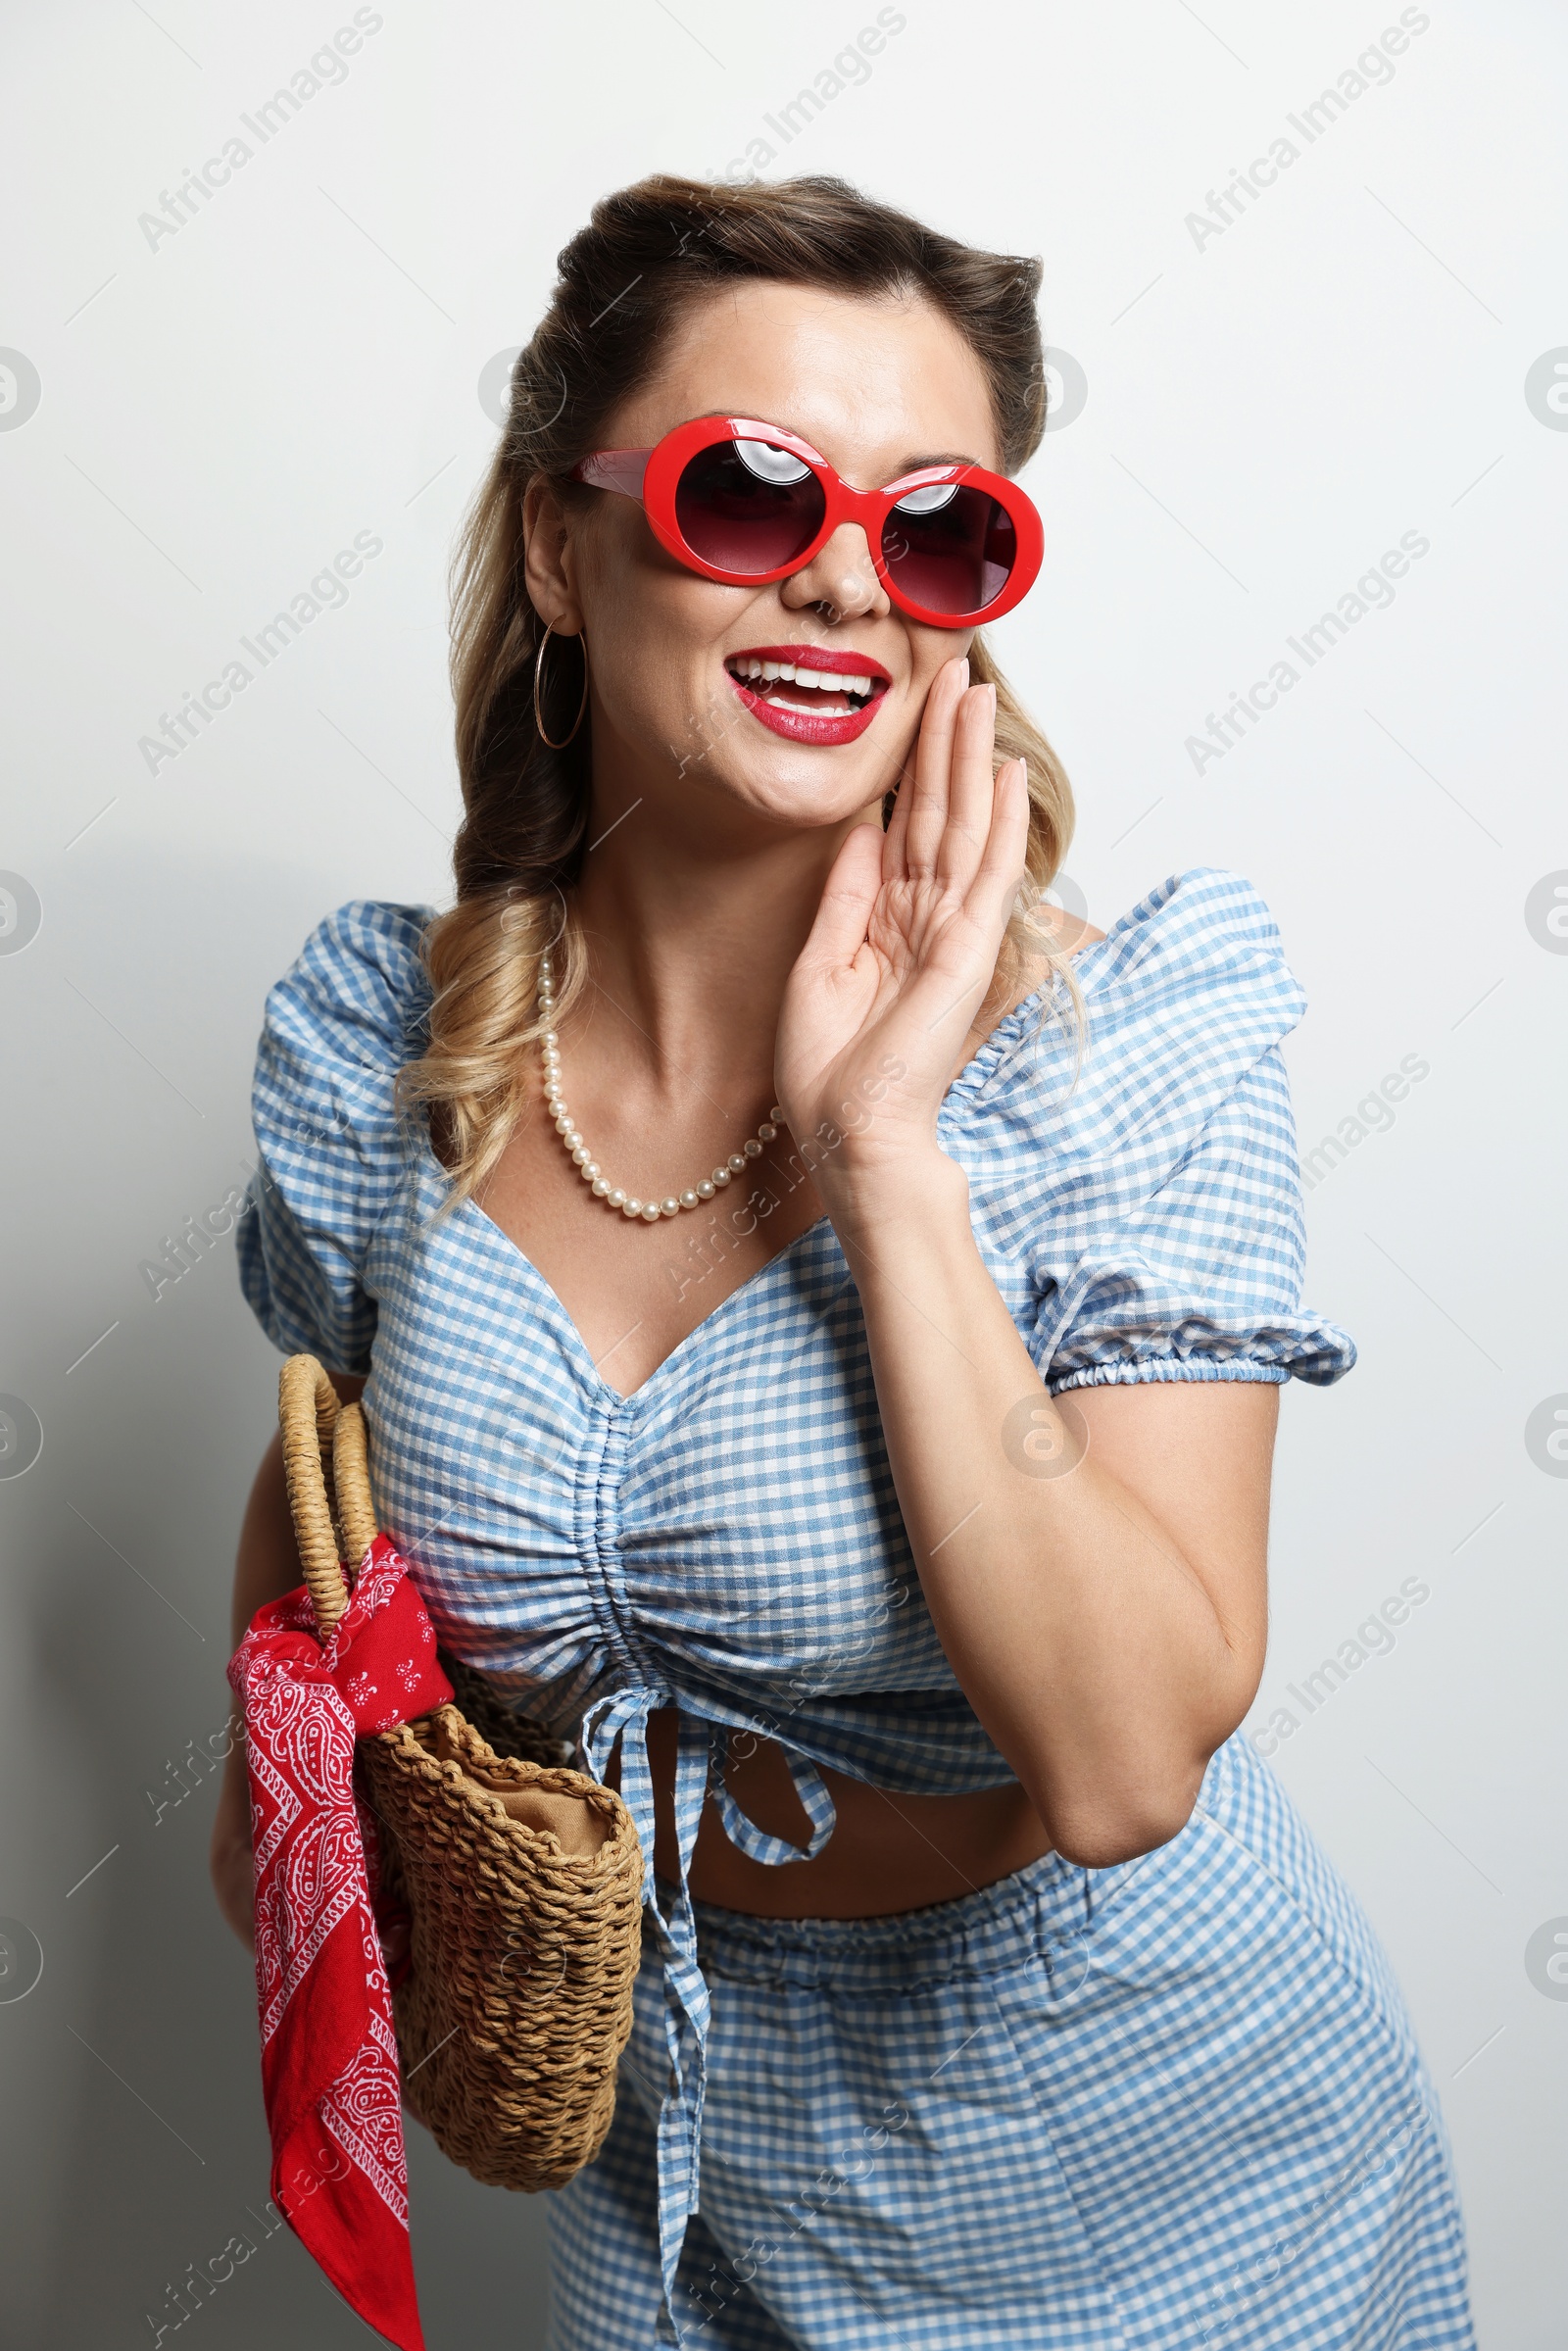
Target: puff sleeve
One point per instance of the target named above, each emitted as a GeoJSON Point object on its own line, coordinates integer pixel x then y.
{"type": "Point", "coordinates": [1187, 1262]}
{"type": "Point", "coordinates": [337, 1027]}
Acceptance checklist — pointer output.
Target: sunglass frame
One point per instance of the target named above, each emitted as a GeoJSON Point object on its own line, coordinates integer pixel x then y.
{"type": "Point", "coordinates": [652, 475]}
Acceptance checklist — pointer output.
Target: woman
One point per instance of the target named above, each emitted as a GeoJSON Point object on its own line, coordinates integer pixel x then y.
{"type": "Point", "coordinates": [885, 1511]}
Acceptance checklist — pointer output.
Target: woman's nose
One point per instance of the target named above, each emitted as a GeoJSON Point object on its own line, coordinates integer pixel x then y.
{"type": "Point", "coordinates": [840, 575]}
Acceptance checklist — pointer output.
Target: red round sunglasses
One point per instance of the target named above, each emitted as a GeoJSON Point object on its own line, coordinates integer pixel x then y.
{"type": "Point", "coordinates": [747, 502]}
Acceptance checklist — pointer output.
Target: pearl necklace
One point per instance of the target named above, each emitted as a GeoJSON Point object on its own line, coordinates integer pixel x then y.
{"type": "Point", "coordinates": [651, 1210]}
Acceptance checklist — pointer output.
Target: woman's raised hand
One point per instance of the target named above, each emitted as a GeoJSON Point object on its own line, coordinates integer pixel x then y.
{"type": "Point", "coordinates": [904, 948]}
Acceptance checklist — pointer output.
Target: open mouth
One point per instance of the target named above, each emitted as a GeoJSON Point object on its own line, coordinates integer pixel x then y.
{"type": "Point", "coordinates": [803, 679]}
{"type": "Point", "coordinates": [807, 692]}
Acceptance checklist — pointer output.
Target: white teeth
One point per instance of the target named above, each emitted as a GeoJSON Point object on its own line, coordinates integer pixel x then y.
{"type": "Point", "coordinates": [821, 681]}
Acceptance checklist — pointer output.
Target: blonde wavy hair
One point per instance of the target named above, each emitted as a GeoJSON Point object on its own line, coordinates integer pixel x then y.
{"type": "Point", "coordinates": [647, 251]}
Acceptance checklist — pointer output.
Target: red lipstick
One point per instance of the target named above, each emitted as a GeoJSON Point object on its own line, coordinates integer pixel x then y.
{"type": "Point", "coordinates": [778, 683]}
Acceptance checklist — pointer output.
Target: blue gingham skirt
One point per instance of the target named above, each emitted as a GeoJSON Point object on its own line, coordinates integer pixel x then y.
{"type": "Point", "coordinates": [1174, 2102]}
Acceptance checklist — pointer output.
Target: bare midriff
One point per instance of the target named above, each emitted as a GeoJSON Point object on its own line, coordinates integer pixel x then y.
{"type": "Point", "coordinates": [886, 1852]}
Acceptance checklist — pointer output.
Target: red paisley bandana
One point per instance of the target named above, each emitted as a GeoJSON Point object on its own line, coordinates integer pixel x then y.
{"type": "Point", "coordinates": [329, 2058]}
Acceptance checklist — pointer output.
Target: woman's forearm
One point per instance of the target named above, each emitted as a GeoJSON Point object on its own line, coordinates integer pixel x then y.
{"type": "Point", "coordinates": [266, 1563]}
{"type": "Point", "coordinates": [1086, 1642]}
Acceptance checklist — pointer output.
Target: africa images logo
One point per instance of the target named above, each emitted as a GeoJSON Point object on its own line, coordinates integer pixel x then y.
{"type": "Point", "coordinates": [1546, 389]}
{"type": "Point", "coordinates": [1373, 69]}
{"type": "Point", "coordinates": [20, 389]}
{"type": "Point", "coordinates": [1373, 592]}
{"type": "Point", "coordinates": [197, 187]}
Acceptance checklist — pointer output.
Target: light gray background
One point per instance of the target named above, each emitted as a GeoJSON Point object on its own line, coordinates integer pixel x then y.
{"type": "Point", "coordinates": [1268, 409]}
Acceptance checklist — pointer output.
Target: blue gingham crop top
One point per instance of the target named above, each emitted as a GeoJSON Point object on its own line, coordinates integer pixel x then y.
{"type": "Point", "coordinates": [728, 1540]}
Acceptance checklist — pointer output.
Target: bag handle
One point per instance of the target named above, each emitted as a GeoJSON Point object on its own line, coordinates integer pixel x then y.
{"type": "Point", "coordinates": [326, 1466]}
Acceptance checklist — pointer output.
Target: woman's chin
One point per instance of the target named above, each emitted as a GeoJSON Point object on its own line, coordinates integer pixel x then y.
{"type": "Point", "coordinates": [785, 779]}
{"type": "Point", "coordinates": [802, 788]}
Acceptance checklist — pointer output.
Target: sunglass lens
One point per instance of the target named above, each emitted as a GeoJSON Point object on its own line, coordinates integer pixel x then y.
{"type": "Point", "coordinates": [949, 548]}
{"type": "Point", "coordinates": [747, 507]}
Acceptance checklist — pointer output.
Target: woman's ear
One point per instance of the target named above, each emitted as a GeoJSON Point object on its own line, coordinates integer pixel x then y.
{"type": "Point", "coordinates": [548, 562]}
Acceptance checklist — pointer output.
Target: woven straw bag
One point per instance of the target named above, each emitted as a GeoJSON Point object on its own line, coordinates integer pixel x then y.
{"type": "Point", "coordinates": [523, 1879]}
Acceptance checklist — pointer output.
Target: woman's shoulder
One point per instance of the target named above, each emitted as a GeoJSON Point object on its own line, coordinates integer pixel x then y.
{"type": "Point", "coordinates": [358, 990]}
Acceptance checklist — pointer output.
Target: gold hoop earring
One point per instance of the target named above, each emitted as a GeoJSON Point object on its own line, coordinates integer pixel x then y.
{"type": "Point", "coordinates": [538, 714]}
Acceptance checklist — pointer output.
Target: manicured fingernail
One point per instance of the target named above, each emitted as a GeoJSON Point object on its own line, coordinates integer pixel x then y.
{"type": "Point", "coordinates": [964, 673]}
